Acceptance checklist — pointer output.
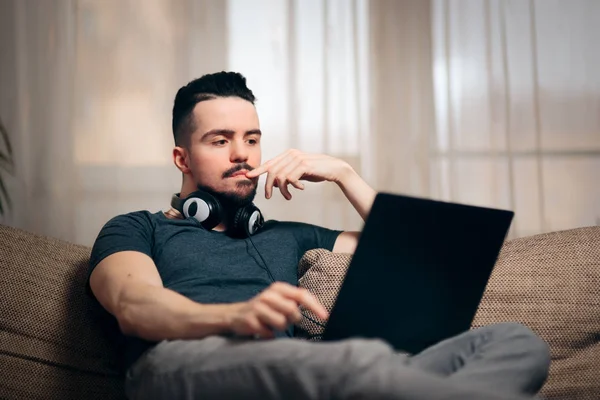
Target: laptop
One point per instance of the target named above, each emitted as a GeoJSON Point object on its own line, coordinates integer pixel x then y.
{"type": "Point", "coordinates": [418, 273]}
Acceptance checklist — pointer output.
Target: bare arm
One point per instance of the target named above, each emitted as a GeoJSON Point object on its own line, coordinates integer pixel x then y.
{"type": "Point", "coordinates": [357, 191]}
{"type": "Point", "coordinates": [128, 285]}
{"type": "Point", "coordinates": [361, 196]}
{"type": "Point", "coordinates": [291, 167]}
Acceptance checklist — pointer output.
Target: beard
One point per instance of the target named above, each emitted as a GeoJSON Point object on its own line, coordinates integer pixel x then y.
{"type": "Point", "coordinates": [232, 200]}
{"type": "Point", "coordinates": [241, 196]}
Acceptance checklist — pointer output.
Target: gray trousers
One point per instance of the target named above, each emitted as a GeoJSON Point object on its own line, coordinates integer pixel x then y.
{"type": "Point", "coordinates": [502, 361]}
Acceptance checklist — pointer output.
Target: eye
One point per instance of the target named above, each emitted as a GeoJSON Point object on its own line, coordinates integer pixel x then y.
{"type": "Point", "coordinates": [219, 142]}
{"type": "Point", "coordinates": [253, 141]}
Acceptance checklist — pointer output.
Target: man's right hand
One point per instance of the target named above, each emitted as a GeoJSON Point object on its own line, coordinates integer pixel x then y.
{"type": "Point", "coordinates": [273, 309]}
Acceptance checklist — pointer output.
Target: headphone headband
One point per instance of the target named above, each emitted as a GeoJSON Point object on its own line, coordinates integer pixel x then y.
{"type": "Point", "coordinates": [177, 202]}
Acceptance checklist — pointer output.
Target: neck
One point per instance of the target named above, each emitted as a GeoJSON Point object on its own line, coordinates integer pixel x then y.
{"type": "Point", "coordinates": [172, 213]}
{"type": "Point", "coordinates": [220, 228]}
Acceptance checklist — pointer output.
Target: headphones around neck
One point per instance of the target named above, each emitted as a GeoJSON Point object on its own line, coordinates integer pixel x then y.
{"type": "Point", "coordinates": [207, 210]}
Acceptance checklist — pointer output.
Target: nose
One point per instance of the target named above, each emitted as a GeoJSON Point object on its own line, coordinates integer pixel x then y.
{"type": "Point", "coordinates": [239, 152]}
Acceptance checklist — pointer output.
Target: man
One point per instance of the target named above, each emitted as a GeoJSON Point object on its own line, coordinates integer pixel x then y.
{"type": "Point", "coordinates": [207, 303]}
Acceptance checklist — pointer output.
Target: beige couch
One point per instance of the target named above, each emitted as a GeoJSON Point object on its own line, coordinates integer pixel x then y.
{"type": "Point", "coordinates": [52, 344]}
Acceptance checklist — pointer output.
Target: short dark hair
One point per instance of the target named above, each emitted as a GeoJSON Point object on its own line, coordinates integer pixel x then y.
{"type": "Point", "coordinates": [209, 86]}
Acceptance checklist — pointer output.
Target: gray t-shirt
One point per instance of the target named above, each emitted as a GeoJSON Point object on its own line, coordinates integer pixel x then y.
{"type": "Point", "coordinates": [209, 266]}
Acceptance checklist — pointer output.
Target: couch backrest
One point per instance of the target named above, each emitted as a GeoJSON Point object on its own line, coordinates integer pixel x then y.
{"type": "Point", "coordinates": [551, 283]}
{"type": "Point", "coordinates": [53, 341]}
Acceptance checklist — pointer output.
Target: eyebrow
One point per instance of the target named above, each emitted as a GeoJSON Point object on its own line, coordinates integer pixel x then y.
{"type": "Point", "coordinates": [229, 132]}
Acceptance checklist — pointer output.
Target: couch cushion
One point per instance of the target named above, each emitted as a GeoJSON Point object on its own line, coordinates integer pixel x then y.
{"type": "Point", "coordinates": [549, 282]}
{"type": "Point", "coordinates": [322, 273]}
{"type": "Point", "coordinates": [52, 343]}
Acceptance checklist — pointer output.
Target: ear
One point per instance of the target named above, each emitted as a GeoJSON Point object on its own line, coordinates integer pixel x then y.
{"type": "Point", "coordinates": [181, 160]}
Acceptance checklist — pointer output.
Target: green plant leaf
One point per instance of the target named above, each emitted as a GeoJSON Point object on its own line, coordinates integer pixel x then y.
{"type": "Point", "coordinates": [5, 194]}
{"type": "Point", "coordinates": [6, 164]}
{"type": "Point", "coordinates": [6, 140]}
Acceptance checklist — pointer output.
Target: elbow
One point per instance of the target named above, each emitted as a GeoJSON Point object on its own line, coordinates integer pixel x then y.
{"type": "Point", "coordinates": [132, 323]}
{"type": "Point", "coordinates": [126, 328]}
{"type": "Point", "coordinates": [125, 319]}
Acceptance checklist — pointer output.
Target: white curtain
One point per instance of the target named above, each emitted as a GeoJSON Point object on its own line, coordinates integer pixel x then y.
{"type": "Point", "coordinates": [511, 118]}
{"type": "Point", "coordinates": [36, 100]}
{"type": "Point", "coordinates": [87, 91]}
{"type": "Point", "coordinates": [101, 141]}
{"type": "Point", "coordinates": [402, 95]}
{"type": "Point", "coordinates": [488, 102]}
{"type": "Point", "coordinates": [517, 95]}
{"type": "Point", "coordinates": [131, 57]}
{"type": "Point", "coordinates": [307, 61]}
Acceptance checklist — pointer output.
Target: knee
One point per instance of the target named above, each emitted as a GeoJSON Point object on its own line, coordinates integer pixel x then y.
{"type": "Point", "coordinates": [534, 351]}
{"type": "Point", "coordinates": [365, 371]}
{"type": "Point", "coordinates": [362, 352]}
{"type": "Point", "coordinates": [359, 356]}
{"type": "Point", "coordinates": [521, 333]}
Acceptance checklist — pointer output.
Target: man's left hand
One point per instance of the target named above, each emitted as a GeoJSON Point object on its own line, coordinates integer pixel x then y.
{"type": "Point", "coordinates": [293, 166]}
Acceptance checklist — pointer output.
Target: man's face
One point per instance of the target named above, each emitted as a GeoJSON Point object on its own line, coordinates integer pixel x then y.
{"type": "Point", "coordinates": [224, 146]}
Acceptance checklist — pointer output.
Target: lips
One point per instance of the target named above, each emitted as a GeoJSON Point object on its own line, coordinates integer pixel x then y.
{"type": "Point", "coordinates": [241, 172]}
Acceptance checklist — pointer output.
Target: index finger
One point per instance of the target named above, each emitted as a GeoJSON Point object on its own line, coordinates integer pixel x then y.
{"type": "Point", "coordinates": [304, 297]}
{"type": "Point", "coordinates": [257, 171]}
{"type": "Point", "coordinates": [263, 168]}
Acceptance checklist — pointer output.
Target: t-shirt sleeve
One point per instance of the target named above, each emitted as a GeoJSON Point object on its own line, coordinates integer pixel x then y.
{"type": "Point", "coordinates": [125, 232]}
{"type": "Point", "coordinates": [315, 237]}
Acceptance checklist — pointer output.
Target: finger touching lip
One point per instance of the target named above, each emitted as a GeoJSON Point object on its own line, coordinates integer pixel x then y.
{"type": "Point", "coordinates": [256, 171]}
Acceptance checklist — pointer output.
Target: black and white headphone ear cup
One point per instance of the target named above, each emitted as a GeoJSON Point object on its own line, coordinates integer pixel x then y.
{"type": "Point", "coordinates": [255, 221]}
{"type": "Point", "coordinates": [247, 221]}
{"type": "Point", "coordinates": [196, 208]}
{"type": "Point", "coordinates": [204, 208]}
